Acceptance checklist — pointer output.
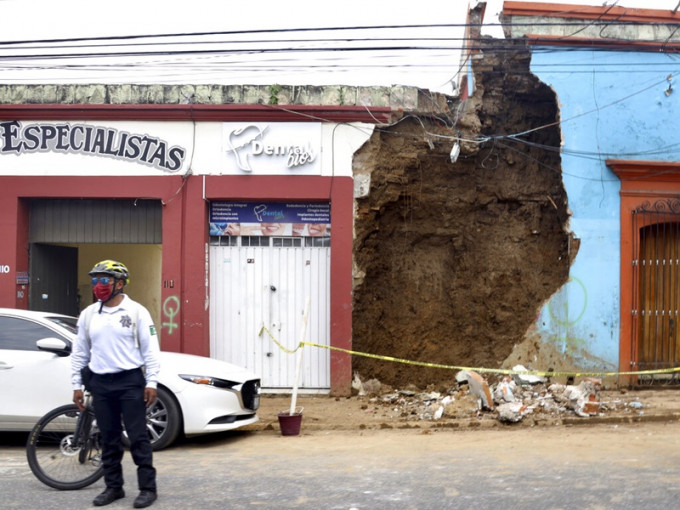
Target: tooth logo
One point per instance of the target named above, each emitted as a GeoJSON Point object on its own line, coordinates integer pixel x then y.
{"type": "Point", "coordinates": [277, 148]}
{"type": "Point", "coordinates": [240, 143]}
{"type": "Point", "coordinates": [259, 209]}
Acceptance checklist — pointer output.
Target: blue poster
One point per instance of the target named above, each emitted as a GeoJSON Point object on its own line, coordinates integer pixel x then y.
{"type": "Point", "coordinates": [270, 219]}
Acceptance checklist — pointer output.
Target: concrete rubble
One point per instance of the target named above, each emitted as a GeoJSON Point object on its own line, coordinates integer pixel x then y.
{"type": "Point", "coordinates": [478, 387]}
{"type": "Point", "coordinates": [510, 399]}
{"type": "Point", "coordinates": [582, 402]}
{"type": "Point", "coordinates": [512, 412]}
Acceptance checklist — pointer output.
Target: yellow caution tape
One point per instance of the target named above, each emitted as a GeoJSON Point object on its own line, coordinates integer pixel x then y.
{"type": "Point", "coordinates": [282, 347]}
{"type": "Point", "coordinates": [474, 369]}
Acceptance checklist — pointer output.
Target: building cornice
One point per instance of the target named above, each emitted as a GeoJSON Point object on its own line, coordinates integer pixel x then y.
{"type": "Point", "coordinates": [338, 103]}
{"type": "Point", "coordinates": [633, 170]}
{"type": "Point", "coordinates": [611, 44]}
{"type": "Point", "coordinates": [586, 12]}
{"type": "Point", "coordinates": [196, 112]}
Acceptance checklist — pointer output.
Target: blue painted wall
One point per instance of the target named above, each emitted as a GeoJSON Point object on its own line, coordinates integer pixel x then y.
{"type": "Point", "coordinates": [612, 105]}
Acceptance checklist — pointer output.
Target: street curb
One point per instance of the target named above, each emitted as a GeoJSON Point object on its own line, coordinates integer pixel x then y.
{"type": "Point", "coordinates": [473, 423]}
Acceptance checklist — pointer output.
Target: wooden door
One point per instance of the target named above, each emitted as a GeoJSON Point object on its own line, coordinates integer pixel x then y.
{"type": "Point", "coordinates": [658, 296]}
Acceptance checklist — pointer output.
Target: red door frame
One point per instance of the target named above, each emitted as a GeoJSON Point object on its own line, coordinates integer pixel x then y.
{"type": "Point", "coordinates": [641, 182]}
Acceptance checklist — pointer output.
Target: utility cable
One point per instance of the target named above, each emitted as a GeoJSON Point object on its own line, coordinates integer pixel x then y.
{"type": "Point", "coordinates": [177, 35]}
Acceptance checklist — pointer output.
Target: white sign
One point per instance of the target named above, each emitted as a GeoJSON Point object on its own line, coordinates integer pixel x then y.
{"type": "Point", "coordinates": [68, 138]}
{"type": "Point", "coordinates": [276, 148]}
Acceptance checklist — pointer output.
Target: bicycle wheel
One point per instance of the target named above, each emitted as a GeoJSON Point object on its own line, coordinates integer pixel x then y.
{"type": "Point", "coordinates": [61, 457]}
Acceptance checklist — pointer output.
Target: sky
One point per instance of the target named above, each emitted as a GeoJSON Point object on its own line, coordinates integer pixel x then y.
{"type": "Point", "coordinates": [249, 48]}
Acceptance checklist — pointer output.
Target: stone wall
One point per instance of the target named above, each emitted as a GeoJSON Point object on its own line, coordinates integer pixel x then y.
{"type": "Point", "coordinates": [407, 99]}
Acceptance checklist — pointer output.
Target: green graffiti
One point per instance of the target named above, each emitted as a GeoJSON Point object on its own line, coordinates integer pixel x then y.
{"type": "Point", "coordinates": [563, 318]}
{"type": "Point", "coordinates": [170, 309]}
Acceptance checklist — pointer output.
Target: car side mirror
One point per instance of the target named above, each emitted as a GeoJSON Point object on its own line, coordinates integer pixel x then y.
{"type": "Point", "coordinates": [55, 345]}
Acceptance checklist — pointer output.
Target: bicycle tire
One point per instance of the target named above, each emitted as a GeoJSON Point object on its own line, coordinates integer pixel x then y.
{"type": "Point", "coordinates": [53, 457]}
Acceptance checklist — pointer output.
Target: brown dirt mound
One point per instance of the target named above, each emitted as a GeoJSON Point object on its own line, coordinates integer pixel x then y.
{"type": "Point", "coordinates": [455, 260]}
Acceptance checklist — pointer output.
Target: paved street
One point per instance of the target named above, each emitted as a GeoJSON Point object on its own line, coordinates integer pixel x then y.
{"type": "Point", "coordinates": [598, 467]}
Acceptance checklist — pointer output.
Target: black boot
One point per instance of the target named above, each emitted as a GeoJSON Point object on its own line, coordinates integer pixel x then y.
{"type": "Point", "coordinates": [145, 498]}
{"type": "Point", "coordinates": [108, 496]}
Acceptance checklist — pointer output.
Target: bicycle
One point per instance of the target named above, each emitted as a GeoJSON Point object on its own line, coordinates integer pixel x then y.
{"type": "Point", "coordinates": [64, 448]}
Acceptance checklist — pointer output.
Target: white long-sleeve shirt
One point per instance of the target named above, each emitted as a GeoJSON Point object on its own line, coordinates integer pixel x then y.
{"type": "Point", "coordinates": [109, 344]}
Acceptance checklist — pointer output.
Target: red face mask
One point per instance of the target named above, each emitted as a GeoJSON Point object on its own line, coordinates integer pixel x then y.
{"type": "Point", "coordinates": [103, 292]}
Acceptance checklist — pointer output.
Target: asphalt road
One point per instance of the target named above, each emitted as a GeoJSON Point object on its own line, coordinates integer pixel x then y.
{"type": "Point", "coordinates": [599, 467]}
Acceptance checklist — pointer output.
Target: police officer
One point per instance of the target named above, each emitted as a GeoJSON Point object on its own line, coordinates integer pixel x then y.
{"type": "Point", "coordinates": [118, 346]}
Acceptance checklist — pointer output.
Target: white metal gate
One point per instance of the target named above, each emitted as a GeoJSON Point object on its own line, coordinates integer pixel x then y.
{"type": "Point", "coordinates": [264, 282]}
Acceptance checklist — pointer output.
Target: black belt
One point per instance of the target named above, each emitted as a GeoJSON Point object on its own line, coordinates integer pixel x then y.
{"type": "Point", "coordinates": [118, 375]}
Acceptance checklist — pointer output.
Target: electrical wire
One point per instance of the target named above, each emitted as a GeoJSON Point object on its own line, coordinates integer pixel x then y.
{"type": "Point", "coordinates": [31, 47]}
{"type": "Point", "coordinates": [182, 35]}
{"type": "Point", "coordinates": [212, 58]}
{"type": "Point", "coordinates": [669, 149]}
{"type": "Point", "coordinates": [515, 137]}
{"type": "Point", "coordinates": [501, 47]}
{"type": "Point", "coordinates": [558, 22]}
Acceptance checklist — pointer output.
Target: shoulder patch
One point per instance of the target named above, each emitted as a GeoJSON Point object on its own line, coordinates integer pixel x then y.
{"type": "Point", "coordinates": [152, 330]}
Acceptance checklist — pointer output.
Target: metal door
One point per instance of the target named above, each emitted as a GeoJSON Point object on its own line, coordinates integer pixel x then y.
{"type": "Point", "coordinates": [54, 279]}
{"type": "Point", "coordinates": [259, 287]}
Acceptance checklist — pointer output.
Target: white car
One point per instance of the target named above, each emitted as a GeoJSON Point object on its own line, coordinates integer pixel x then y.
{"type": "Point", "coordinates": [196, 395]}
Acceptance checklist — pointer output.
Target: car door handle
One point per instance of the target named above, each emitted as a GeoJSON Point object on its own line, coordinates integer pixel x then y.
{"type": "Point", "coordinates": [5, 366]}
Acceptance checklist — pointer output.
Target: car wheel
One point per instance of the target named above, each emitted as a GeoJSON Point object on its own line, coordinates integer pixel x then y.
{"type": "Point", "coordinates": [163, 421]}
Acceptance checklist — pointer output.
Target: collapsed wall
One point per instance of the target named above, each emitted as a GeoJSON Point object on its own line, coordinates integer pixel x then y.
{"type": "Point", "coordinates": [454, 260]}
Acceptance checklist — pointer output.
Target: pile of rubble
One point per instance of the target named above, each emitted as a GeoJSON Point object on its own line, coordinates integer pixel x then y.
{"type": "Point", "coordinates": [510, 399]}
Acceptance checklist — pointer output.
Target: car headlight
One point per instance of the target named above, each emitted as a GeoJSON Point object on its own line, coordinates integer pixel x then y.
{"type": "Point", "coordinates": [210, 381]}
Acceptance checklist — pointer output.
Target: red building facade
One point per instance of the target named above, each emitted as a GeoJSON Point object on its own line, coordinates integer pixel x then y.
{"type": "Point", "coordinates": [184, 195]}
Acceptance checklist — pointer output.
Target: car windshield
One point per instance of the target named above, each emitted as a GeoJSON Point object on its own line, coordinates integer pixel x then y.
{"type": "Point", "coordinates": [68, 323]}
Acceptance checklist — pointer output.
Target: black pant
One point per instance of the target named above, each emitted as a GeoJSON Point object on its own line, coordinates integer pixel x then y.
{"type": "Point", "coordinates": [113, 396]}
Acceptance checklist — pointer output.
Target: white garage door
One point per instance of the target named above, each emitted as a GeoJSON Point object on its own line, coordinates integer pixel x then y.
{"type": "Point", "coordinates": [261, 282]}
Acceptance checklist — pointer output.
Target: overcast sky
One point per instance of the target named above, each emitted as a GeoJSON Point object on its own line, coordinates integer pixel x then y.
{"type": "Point", "coordinates": [253, 58]}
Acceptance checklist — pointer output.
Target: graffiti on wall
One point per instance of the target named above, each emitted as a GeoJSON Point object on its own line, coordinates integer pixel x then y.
{"type": "Point", "coordinates": [567, 309]}
{"type": "Point", "coordinates": [571, 308]}
{"type": "Point", "coordinates": [170, 310]}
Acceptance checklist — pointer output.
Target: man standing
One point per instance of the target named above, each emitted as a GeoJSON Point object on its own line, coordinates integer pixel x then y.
{"type": "Point", "coordinates": [117, 342]}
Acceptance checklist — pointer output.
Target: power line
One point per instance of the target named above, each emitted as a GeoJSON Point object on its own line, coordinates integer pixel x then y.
{"type": "Point", "coordinates": [339, 63]}
{"type": "Point", "coordinates": [302, 30]}
{"type": "Point", "coordinates": [276, 46]}
{"type": "Point", "coordinates": [141, 40]}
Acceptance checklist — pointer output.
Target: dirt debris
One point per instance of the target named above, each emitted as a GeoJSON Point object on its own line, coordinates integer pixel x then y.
{"type": "Point", "coordinates": [454, 260]}
{"type": "Point", "coordinates": [513, 396]}
{"type": "Point", "coordinates": [415, 409]}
